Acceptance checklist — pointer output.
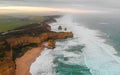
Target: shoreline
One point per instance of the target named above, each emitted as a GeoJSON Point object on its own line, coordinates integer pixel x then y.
{"type": "Point", "coordinates": [23, 63]}
{"type": "Point", "coordinates": [35, 34]}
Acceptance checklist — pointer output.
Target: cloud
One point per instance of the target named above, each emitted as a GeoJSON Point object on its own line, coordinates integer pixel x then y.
{"type": "Point", "coordinates": [30, 9]}
{"type": "Point", "coordinates": [92, 3]}
{"type": "Point", "coordinates": [101, 5]}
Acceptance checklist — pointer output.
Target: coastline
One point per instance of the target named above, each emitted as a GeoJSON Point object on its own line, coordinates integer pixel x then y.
{"type": "Point", "coordinates": [18, 65]}
{"type": "Point", "coordinates": [23, 63]}
{"type": "Point", "coordinates": [17, 41]}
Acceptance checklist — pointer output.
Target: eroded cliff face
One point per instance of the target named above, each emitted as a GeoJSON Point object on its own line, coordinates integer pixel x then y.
{"type": "Point", "coordinates": [51, 44]}
{"type": "Point", "coordinates": [39, 39]}
{"type": "Point", "coordinates": [7, 67]}
{"type": "Point", "coordinates": [14, 43]}
{"type": "Point", "coordinates": [27, 35]}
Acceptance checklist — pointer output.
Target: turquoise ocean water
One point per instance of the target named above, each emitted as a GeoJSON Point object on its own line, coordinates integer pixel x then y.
{"type": "Point", "coordinates": [94, 49]}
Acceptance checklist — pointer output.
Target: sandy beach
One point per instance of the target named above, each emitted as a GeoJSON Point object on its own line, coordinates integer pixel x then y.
{"type": "Point", "coordinates": [23, 63]}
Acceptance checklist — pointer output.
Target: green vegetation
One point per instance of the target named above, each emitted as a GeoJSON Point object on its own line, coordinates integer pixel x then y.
{"type": "Point", "coordinates": [3, 48]}
{"type": "Point", "coordinates": [2, 55]}
{"type": "Point", "coordinates": [9, 22]}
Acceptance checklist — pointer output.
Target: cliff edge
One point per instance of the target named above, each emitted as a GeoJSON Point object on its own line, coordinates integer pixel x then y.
{"type": "Point", "coordinates": [16, 43]}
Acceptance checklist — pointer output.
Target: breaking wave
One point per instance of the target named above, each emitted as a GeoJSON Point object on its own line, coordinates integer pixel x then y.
{"type": "Point", "coordinates": [85, 54]}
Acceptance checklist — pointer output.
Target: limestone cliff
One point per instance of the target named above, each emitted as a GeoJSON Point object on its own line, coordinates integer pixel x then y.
{"type": "Point", "coordinates": [51, 44]}
{"type": "Point", "coordinates": [15, 43]}
{"type": "Point", "coordinates": [38, 39]}
{"type": "Point", "coordinates": [7, 67]}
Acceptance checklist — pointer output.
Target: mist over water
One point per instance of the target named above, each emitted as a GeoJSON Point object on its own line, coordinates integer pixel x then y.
{"type": "Point", "coordinates": [59, 6]}
{"type": "Point", "coordinates": [95, 48]}
{"type": "Point", "coordinates": [108, 24]}
{"type": "Point", "coordinates": [85, 54]}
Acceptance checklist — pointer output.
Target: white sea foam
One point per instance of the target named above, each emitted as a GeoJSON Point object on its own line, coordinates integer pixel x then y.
{"type": "Point", "coordinates": [97, 55]}
{"type": "Point", "coordinates": [43, 64]}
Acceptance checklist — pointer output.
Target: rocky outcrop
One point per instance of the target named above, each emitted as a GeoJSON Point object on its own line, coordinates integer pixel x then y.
{"type": "Point", "coordinates": [50, 37]}
{"type": "Point", "coordinates": [22, 35]}
{"type": "Point", "coordinates": [14, 42]}
{"type": "Point", "coordinates": [59, 27]}
{"type": "Point", "coordinates": [65, 29]}
{"type": "Point", "coordinates": [51, 44]}
{"type": "Point", "coordinates": [39, 39]}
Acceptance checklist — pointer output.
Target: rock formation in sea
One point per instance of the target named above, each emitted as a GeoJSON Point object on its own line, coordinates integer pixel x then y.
{"type": "Point", "coordinates": [65, 29]}
{"type": "Point", "coordinates": [51, 44]}
{"type": "Point", "coordinates": [60, 28]}
{"type": "Point", "coordinates": [17, 42]}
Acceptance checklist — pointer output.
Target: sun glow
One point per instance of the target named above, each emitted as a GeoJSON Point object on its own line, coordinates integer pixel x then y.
{"type": "Point", "coordinates": [26, 9]}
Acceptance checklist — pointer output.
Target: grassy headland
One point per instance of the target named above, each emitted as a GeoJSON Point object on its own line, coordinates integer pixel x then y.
{"type": "Point", "coordinates": [20, 35]}
{"type": "Point", "coordinates": [10, 22]}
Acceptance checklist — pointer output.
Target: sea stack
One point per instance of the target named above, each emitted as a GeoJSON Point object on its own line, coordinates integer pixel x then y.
{"type": "Point", "coordinates": [60, 28]}
{"type": "Point", "coordinates": [51, 44]}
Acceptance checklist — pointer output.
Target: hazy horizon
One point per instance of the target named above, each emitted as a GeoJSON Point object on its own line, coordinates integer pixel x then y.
{"type": "Point", "coordinates": [60, 6]}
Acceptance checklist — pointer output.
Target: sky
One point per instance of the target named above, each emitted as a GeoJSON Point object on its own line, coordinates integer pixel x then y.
{"type": "Point", "coordinates": [69, 6]}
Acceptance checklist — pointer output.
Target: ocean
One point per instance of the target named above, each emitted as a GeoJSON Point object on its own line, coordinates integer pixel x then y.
{"type": "Point", "coordinates": [94, 49]}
